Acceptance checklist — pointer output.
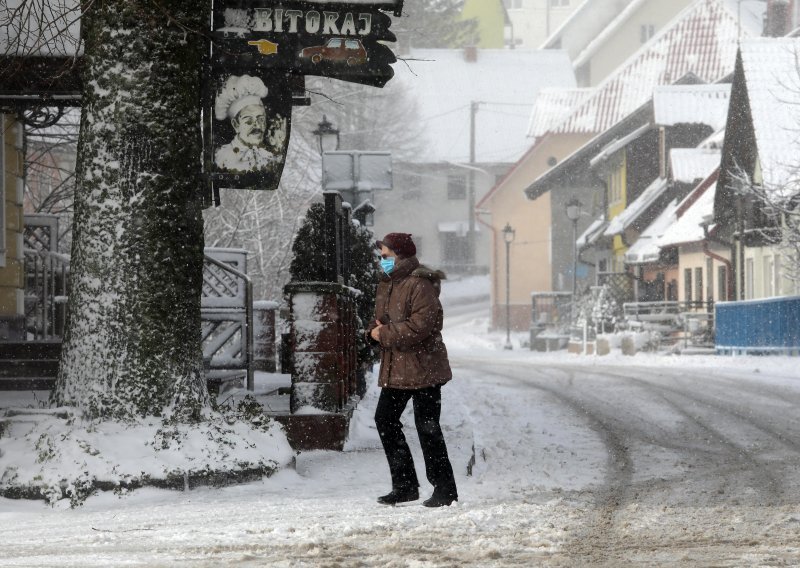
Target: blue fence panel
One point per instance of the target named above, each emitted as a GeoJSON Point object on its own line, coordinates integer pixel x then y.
{"type": "Point", "coordinates": [770, 325]}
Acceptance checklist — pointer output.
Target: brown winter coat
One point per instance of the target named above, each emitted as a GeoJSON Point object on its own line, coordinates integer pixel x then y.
{"type": "Point", "coordinates": [413, 354]}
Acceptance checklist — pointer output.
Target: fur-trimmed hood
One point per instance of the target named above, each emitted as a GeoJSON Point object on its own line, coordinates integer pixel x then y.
{"type": "Point", "coordinates": [431, 274]}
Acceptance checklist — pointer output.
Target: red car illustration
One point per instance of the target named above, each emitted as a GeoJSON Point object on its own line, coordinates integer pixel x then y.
{"type": "Point", "coordinates": [337, 50]}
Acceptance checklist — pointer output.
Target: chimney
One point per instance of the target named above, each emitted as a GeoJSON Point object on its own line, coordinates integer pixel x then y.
{"type": "Point", "coordinates": [777, 18]}
{"type": "Point", "coordinates": [471, 53]}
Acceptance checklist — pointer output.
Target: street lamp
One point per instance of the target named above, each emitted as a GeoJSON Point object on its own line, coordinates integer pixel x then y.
{"type": "Point", "coordinates": [573, 214]}
{"type": "Point", "coordinates": [508, 237]}
{"type": "Point", "coordinates": [328, 136]}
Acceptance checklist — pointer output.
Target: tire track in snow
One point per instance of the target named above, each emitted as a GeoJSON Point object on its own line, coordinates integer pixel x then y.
{"type": "Point", "coordinates": [600, 536]}
{"type": "Point", "coordinates": [618, 475]}
{"type": "Point", "coordinates": [784, 438]}
{"type": "Point", "coordinates": [773, 489]}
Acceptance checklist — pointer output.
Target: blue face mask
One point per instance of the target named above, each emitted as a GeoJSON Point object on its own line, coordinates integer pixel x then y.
{"type": "Point", "coordinates": [387, 264]}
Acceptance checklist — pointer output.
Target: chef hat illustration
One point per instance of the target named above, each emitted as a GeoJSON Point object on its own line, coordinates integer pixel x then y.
{"type": "Point", "coordinates": [238, 92]}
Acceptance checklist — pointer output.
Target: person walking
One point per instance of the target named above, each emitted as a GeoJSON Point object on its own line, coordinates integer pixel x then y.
{"type": "Point", "coordinates": [414, 366]}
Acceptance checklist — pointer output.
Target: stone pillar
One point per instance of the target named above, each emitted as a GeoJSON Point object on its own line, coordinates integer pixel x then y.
{"type": "Point", "coordinates": [264, 336]}
{"type": "Point", "coordinates": [322, 339]}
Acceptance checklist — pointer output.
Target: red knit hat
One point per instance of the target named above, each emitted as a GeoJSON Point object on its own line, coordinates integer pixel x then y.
{"type": "Point", "coordinates": [401, 243]}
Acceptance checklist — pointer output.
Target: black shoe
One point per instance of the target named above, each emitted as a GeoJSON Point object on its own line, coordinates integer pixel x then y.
{"type": "Point", "coordinates": [399, 496]}
{"type": "Point", "coordinates": [439, 500]}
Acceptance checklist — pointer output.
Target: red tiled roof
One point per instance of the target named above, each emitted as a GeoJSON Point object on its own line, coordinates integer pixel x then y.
{"type": "Point", "coordinates": [701, 40]}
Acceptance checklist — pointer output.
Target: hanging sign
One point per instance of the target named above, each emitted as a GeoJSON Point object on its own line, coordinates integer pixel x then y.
{"type": "Point", "coordinates": [260, 48]}
{"type": "Point", "coordinates": [338, 40]}
{"type": "Point", "coordinates": [250, 129]}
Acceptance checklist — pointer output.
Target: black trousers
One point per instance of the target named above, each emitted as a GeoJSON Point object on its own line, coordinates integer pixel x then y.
{"type": "Point", "coordinates": [427, 409]}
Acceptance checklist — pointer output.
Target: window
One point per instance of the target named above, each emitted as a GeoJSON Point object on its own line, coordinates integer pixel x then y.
{"type": "Point", "coordinates": [698, 284]}
{"type": "Point", "coordinates": [616, 179]}
{"type": "Point", "coordinates": [646, 31]}
{"type": "Point", "coordinates": [778, 283]}
{"type": "Point", "coordinates": [513, 4]}
{"type": "Point", "coordinates": [455, 251]}
{"type": "Point", "coordinates": [710, 275]}
{"type": "Point", "coordinates": [558, 3]}
{"type": "Point", "coordinates": [748, 278]}
{"type": "Point", "coordinates": [615, 187]}
{"type": "Point", "coordinates": [672, 290]}
{"type": "Point", "coordinates": [456, 187]}
{"type": "Point", "coordinates": [687, 284]}
{"type": "Point", "coordinates": [722, 283]}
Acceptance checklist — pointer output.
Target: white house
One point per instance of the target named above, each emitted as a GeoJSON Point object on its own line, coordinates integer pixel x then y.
{"type": "Point", "coordinates": [473, 109]}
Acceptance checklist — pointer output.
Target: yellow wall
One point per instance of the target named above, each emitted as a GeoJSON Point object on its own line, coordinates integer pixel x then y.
{"type": "Point", "coordinates": [11, 277]}
{"type": "Point", "coordinates": [491, 21]}
{"type": "Point", "coordinates": [537, 19]}
{"type": "Point", "coordinates": [617, 183]}
{"type": "Point", "coordinates": [530, 251]}
{"type": "Point", "coordinates": [764, 268]}
{"type": "Point", "coordinates": [692, 257]}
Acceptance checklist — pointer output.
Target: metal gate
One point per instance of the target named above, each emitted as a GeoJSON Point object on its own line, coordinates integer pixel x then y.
{"type": "Point", "coordinates": [227, 316]}
{"type": "Point", "coordinates": [45, 278]}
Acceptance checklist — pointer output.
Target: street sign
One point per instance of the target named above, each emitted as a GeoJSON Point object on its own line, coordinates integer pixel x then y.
{"type": "Point", "coordinates": [356, 171]}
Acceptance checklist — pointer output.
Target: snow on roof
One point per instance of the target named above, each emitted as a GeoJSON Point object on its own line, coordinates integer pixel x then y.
{"type": "Point", "coordinates": [613, 147]}
{"type": "Point", "coordinates": [608, 31]}
{"type": "Point", "coordinates": [553, 106]}
{"type": "Point", "coordinates": [647, 247]}
{"type": "Point", "coordinates": [692, 104]}
{"type": "Point", "coordinates": [715, 141]}
{"type": "Point", "coordinates": [702, 39]}
{"type": "Point", "coordinates": [592, 232]}
{"type": "Point", "coordinates": [751, 16]}
{"type": "Point", "coordinates": [585, 22]}
{"type": "Point", "coordinates": [688, 228]}
{"type": "Point", "coordinates": [622, 221]}
{"type": "Point", "coordinates": [691, 164]}
{"type": "Point", "coordinates": [504, 83]}
{"type": "Point", "coordinates": [461, 228]}
{"type": "Point", "coordinates": [773, 89]}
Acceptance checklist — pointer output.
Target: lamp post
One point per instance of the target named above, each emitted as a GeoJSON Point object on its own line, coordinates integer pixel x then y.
{"type": "Point", "coordinates": [336, 259]}
{"type": "Point", "coordinates": [508, 237]}
{"type": "Point", "coordinates": [573, 214]}
{"type": "Point", "coordinates": [328, 136]}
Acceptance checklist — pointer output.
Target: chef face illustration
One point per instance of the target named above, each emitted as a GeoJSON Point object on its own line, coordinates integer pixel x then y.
{"type": "Point", "coordinates": [251, 124]}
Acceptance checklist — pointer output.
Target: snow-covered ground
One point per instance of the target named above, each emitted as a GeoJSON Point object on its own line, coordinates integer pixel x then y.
{"type": "Point", "coordinates": [561, 460]}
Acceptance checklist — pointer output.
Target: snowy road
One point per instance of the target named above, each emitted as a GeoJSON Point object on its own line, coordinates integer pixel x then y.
{"type": "Point", "coordinates": [561, 461]}
{"type": "Point", "coordinates": [693, 467]}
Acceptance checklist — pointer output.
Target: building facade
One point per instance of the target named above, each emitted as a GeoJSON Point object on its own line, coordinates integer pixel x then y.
{"type": "Point", "coordinates": [12, 304]}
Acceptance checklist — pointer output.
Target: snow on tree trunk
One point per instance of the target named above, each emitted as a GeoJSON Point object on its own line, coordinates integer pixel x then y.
{"type": "Point", "coordinates": [133, 343]}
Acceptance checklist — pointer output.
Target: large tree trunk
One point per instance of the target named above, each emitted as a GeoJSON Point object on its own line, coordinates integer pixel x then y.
{"type": "Point", "coordinates": [133, 343]}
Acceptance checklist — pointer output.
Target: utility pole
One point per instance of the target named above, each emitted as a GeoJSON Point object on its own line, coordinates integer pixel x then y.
{"type": "Point", "coordinates": [473, 111]}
